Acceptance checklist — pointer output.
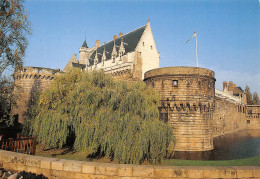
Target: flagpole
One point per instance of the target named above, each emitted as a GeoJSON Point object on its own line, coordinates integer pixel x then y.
{"type": "Point", "coordinates": [197, 51]}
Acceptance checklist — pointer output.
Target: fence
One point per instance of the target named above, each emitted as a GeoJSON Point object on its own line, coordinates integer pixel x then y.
{"type": "Point", "coordinates": [21, 144]}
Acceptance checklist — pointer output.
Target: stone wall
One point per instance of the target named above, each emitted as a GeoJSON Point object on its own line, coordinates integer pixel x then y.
{"type": "Point", "coordinates": [187, 101]}
{"type": "Point", "coordinates": [60, 168]}
{"type": "Point", "coordinates": [228, 117]}
{"type": "Point", "coordinates": [27, 82]}
{"type": "Point", "coordinates": [253, 116]}
{"type": "Point", "coordinates": [129, 74]}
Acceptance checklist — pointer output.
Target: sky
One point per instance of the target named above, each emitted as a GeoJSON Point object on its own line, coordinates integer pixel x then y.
{"type": "Point", "coordinates": [228, 32]}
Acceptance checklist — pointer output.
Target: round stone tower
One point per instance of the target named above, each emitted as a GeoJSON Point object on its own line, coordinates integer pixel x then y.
{"type": "Point", "coordinates": [187, 103]}
{"type": "Point", "coordinates": [28, 81]}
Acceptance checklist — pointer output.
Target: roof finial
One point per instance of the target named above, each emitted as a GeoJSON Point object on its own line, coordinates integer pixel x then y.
{"type": "Point", "coordinates": [148, 20]}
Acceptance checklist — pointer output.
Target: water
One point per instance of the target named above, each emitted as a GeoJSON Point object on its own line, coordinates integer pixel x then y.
{"type": "Point", "coordinates": [243, 144]}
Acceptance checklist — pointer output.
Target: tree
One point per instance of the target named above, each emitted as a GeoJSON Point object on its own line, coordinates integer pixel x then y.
{"type": "Point", "coordinates": [6, 100]}
{"type": "Point", "coordinates": [256, 98]}
{"type": "Point", "coordinates": [104, 118]}
{"type": "Point", "coordinates": [13, 32]}
{"type": "Point", "coordinates": [248, 96]}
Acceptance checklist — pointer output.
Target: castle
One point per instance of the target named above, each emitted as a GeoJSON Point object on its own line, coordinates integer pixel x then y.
{"type": "Point", "coordinates": [189, 101]}
{"type": "Point", "coordinates": [126, 57]}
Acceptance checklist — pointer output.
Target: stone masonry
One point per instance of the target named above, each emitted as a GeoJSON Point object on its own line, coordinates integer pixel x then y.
{"type": "Point", "coordinates": [59, 168]}
{"type": "Point", "coordinates": [187, 103]}
{"type": "Point", "coordinates": [27, 82]}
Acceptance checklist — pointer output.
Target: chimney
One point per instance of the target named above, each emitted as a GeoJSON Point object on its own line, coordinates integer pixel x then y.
{"type": "Point", "coordinates": [97, 43]}
{"type": "Point", "coordinates": [120, 34]}
{"type": "Point", "coordinates": [224, 85]}
{"type": "Point", "coordinates": [234, 86]}
{"type": "Point", "coordinates": [230, 86]}
{"type": "Point", "coordinates": [115, 37]}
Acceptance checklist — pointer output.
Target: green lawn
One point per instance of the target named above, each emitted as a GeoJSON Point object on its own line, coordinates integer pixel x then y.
{"type": "Point", "coordinates": [254, 161]}
{"type": "Point", "coordinates": [72, 155]}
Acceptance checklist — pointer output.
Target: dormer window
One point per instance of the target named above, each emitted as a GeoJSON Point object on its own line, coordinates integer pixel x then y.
{"type": "Point", "coordinates": [114, 53]}
{"type": "Point", "coordinates": [121, 49]}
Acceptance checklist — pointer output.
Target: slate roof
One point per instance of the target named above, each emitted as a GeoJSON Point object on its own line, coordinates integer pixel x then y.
{"type": "Point", "coordinates": [84, 44]}
{"type": "Point", "coordinates": [237, 91]}
{"type": "Point", "coordinates": [78, 65]}
{"type": "Point", "coordinates": [132, 38]}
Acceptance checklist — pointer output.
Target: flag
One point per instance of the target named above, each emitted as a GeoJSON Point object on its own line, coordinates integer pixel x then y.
{"type": "Point", "coordinates": [193, 35]}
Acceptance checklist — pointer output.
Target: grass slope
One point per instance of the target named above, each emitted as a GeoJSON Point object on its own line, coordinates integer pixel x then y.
{"type": "Point", "coordinates": [253, 161]}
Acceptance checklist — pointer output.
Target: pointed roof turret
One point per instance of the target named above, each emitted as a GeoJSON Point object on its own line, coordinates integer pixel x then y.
{"type": "Point", "coordinates": [84, 44]}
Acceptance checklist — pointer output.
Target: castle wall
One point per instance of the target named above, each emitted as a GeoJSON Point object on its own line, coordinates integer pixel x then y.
{"type": "Point", "coordinates": [187, 101]}
{"type": "Point", "coordinates": [228, 117]}
{"type": "Point", "coordinates": [253, 116]}
{"type": "Point", "coordinates": [27, 82]}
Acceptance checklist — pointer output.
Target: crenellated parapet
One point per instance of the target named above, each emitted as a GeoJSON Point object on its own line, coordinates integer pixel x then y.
{"type": "Point", "coordinates": [35, 73]}
{"type": "Point", "coordinates": [187, 103]}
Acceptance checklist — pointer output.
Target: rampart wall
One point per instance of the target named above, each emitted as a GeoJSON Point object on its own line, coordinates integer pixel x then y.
{"type": "Point", "coordinates": [27, 82]}
{"type": "Point", "coordinates": [59, 168]}
{"type": "Point", "coordinates": [253, 116]}
{"type": "Point", "coordinates": [228, 116]}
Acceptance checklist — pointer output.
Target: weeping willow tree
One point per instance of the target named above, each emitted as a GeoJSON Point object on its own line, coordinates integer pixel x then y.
{"type": "Point", "coordinates": [114, 119]}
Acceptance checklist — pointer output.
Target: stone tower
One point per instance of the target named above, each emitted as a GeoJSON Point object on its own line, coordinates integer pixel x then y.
{"type": "Point", "coordinates": [187, 103]}
{"type": "Point", "coordinates": [84, 53]}
{"type": "Point", "coordinates": [27, 82]}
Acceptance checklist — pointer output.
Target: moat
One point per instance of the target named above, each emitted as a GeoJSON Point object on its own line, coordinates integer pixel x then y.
{"type": "Point", "coordinates": [239, 145]}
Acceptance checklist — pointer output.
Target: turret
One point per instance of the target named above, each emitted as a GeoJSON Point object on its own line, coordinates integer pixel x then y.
{"type": "Point", "coordinates": [84, 53]}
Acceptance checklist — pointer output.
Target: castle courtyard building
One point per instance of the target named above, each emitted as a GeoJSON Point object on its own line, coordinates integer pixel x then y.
{"type": "Point", "coordinates": [128, 56]}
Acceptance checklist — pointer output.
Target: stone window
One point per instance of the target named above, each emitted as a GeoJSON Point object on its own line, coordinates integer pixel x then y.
{"type": "Point", "coordinates": [151, 47]}
{"type": "Point", "coordinates": [250, 112]}
{"type": "Point", "coordinates": [143, 43]}
{"type": "Point", "coordinates": [24, 70]}
{"type": "Point", "coordinates": [39, 71]}
{"type": "Point", "coordinates": [175, 82]}
{"type": "Point", "coordinates": [199, 84]}
{"type": "Point", "coordinates": [140, 54]}
{"type": "Point", "coordinates": [162, 84]}
{"type": "Point", "coordinates": [248, 121]}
